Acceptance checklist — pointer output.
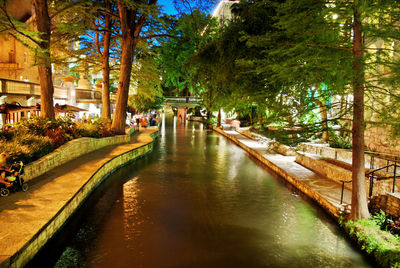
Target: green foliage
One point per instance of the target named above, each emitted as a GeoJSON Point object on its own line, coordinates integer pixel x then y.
{"type": "Point", "coordinates": [383, 245]}
{"type": "Point", "coordinates": [87, 130]}
{"type": "Point", "coordinates": [382, 220]}
{"type": "Point", "coordinates": [145, 80]}
{"type": "Point", "coordinates": [26, 147]}
{"type": "Point", "coordinates": [210, 121]}
{"type": "Point", "coordinates": [175, 55]}
{"type": "Point", "coordinates": [40, 126]}
{"type": "Point", "coordinates": [285, 136]}
{"type": "Point", "coordinates": [336, 141]}
{"type": "Point", "coordinates": [196, 111]}
{"type": "Point", "coordinates": [94, 129]}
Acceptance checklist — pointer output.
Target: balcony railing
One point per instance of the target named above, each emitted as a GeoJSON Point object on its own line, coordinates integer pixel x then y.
{"type": "Point", "coordinates": [9, 86]}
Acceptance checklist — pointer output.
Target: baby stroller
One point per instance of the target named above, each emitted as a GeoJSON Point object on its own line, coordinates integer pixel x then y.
{"type": "Point", "coordinates": [12, 180]}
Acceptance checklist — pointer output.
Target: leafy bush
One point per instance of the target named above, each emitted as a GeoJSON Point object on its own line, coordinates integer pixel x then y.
{"type": "Point", "coordinates": [104, 127]}
{"type": "Point", "coordinates": [95, 129]}
{"type": "Point", "coordinates": [33, 138]}
{"type": "Point", "coordinates": [40, 126]}
{"type": "Point", "coordinates": [7, 134]}
{"type": "Point", "coordinates": [26, 148]}
{"type": "Point", "coordinates": [383, 245]}
{"type": "Point", "coordinates": [87, 130]}
{"type": "Point", "coordinates": [336, 141]}
{"type": "Point", "coordinates": [382, 220]}
{"type": "Point", "coordinates": [57, 136]}
{"type": "Point", "coordinates": [63, 126]}
{"type": "Point", "coordinates": [211, 121]}
{"type": "Point", "coordinates": [41, 147]}
{"type": "Point", "coordinates": [36, 126]}
{"type": "Point", "coordinates": [284, 136]}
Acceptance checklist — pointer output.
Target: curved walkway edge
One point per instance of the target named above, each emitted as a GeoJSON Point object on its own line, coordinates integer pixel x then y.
{"type": "Point", "coordinates": [324, 192]}
{"type": "Point", "coordinates": [30, 219]}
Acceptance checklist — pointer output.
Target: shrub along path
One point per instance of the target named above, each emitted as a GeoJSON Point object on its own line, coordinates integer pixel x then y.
{"type": "Point", "coordinates": [22, 215]}
{"type": "Point", "coordinates": [325, 192]}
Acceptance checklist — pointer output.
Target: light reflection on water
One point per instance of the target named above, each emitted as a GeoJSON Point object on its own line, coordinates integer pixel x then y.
{"type": "Point", "coordinates": [199, 201]}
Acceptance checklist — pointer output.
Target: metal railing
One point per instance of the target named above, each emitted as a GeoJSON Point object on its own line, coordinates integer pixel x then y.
{"type": "Point", "coordinates": [382, 157]}
{"type": "Point", "coordinates": [341, 196]}
{"type": "Point", "coordinates": [372, 177]}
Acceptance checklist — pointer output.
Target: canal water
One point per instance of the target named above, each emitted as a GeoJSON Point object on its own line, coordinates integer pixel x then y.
{"type": "Point", "coordinates": [199, 201]}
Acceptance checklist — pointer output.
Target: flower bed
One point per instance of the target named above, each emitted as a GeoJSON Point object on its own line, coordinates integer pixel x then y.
{"type": "Point", "coordinates": [33, 138]}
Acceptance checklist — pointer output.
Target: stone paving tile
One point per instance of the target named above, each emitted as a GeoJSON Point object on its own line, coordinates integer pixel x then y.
{"type": "Point", "coordinates": [329, 189]}
{"type": "Point", "coordinates": [23, 214]}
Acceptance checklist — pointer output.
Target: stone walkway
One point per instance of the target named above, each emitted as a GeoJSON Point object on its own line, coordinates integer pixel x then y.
{"type": "Point", "coordinates": [22, 215]}
{"type": "Point", "coordinates": [317, 187]}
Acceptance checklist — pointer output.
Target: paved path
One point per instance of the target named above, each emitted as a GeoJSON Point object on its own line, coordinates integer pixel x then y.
{"type": "Point", "coordinates": [328, 189]}
{"type": "Point", "coordinates": [22, 215]}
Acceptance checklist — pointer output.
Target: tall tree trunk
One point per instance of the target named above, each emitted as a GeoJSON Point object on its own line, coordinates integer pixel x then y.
{"type": "Point", "coordinates": [130, 28]}
{"type": "Point", "coordinates": [359, 205]}
{"type": "Point", "coordinates": [118, 124]}
{"type": "Point", "coordinates": [44, 62]}
{"type": "Point", "coordinates": [105, 94]}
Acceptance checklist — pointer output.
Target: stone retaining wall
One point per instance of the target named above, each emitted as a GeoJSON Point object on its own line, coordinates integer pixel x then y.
{"type": "Point", "coordinates": [246, 132]}
{"type": "Point", "coordinates": [70, 151]}
{"type": "Point", "coordinates": [327, 170]}
{"type": "Point", "coordinates": [389, 203]}
{"type": "Point", "coordinates": [379, 139]}
{"type": "Point", "coordinates": [344, 155]}
{"type": "Point", "coordinates": [30, 249]}
{"type": "Point", "coordinates": [283, 149]}
{"type": "Point", "coordinates": [325, 151]}
{"type": "Point", "coordinates": [337, 173]}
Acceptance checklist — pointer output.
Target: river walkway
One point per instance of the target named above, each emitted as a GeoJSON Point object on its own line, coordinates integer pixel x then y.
{"type": "Point", "coordinates": [24, 215]}
{"type": "Point", "coordinates": [326, 192]}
